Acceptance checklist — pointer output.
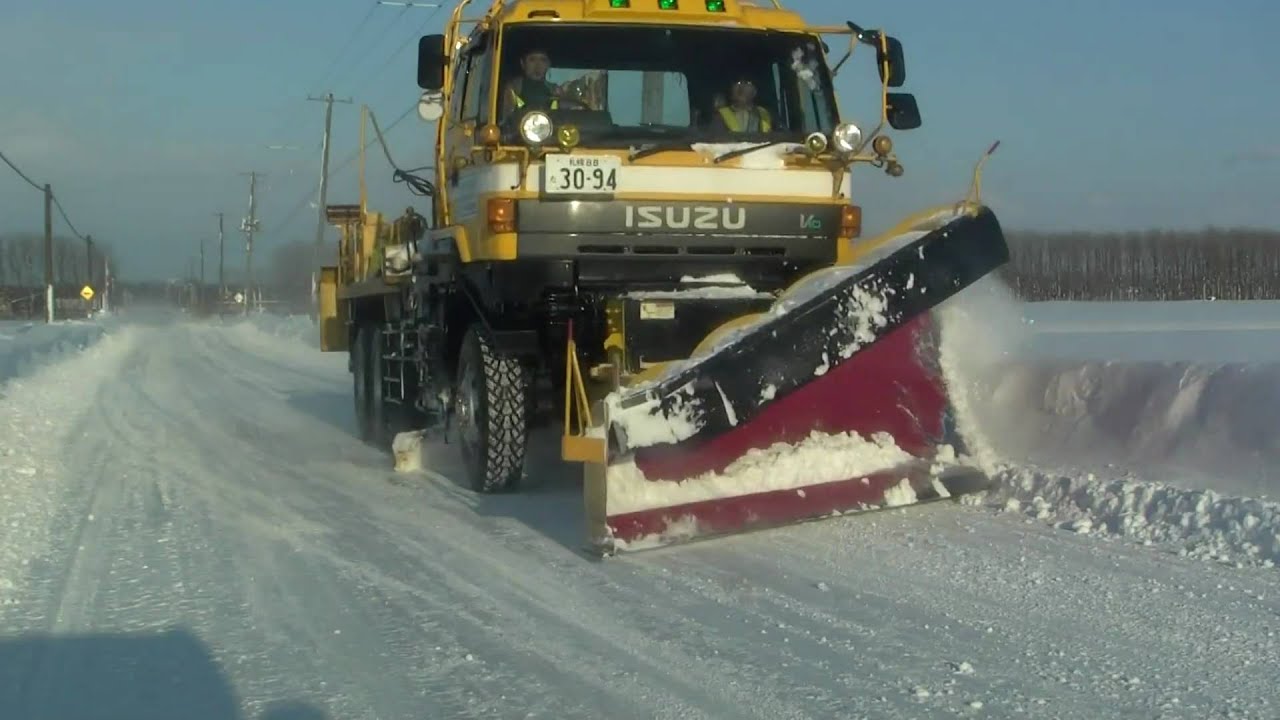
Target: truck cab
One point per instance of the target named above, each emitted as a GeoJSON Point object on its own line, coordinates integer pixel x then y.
{"type": "Point", "coordinates": [634, 168]}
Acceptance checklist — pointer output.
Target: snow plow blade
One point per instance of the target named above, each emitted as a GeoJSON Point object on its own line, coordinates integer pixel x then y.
{"type": "Point", "coordinates": [829, 402]}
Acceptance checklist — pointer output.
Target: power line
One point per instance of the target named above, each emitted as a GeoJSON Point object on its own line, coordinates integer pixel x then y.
{"type": "Point", "coordinates": [21, 174]}
{"type": "Point", "coordinates": [413, 36]}
{"type": "Point", "coordinates": [302, 203]}
{"type": "Point", "coordinates": [395, 22]}
{"type": "Point", "coordinates": [65, 219]}
{"type": "Point", "coordinates": [386, 31]}
{"type": "Point", "coordinates": [373, 7]}
{"type": "Point", "coordinates": [52, 197]}
{"type": "Point", "coordinates": [289, 120]}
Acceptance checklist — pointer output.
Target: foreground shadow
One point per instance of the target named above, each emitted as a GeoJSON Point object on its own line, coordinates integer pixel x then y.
{"type": "Point", "coordinates": [549, 501]}
{"type": "Point", "coordinates": [335, 409]}
{"type": "Point", "coordinates": [151, 676]}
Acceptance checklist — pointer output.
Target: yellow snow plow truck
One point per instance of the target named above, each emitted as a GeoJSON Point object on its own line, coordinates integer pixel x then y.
{"type": "Point", "coordinates": [643, 227]}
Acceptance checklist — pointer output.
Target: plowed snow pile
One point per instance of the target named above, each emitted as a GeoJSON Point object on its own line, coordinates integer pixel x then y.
{"type": "Point", "coordinates": [260, 327]}
{"type": "Point", "coordinates": [1120, 422]}
{"type": "Point", "coordinates": [26, 346]}
{"type": "Point", "coordinates": [88, 355]}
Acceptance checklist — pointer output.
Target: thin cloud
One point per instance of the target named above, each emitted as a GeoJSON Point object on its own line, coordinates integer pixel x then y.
{"type": "Point", "coordinates": [1259, 154]}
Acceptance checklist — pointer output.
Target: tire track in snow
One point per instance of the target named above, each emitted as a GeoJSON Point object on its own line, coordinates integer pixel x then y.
{"type": "Point", "coordinates": [539, 598]}
{"type": "Point", "coordinates": [42, 417]}
{"type": "Point", "coordinates": [274, 589]}
{"type": "Point", "coordinates": [270, 527]}
{"type": "Point", "coordinates": [473, 600]}
{"type": "Point", "coordinates": [202, 396]}
{"type": "Point", "coordinates": [733, 589]}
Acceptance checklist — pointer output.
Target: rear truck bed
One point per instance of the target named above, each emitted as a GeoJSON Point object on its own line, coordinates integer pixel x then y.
{"type": "Point", "coordinates": [830, 401]}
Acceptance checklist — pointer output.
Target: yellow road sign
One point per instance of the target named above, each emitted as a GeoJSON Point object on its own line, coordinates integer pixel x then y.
{"type": "Point", "coordinates": [86, 292]}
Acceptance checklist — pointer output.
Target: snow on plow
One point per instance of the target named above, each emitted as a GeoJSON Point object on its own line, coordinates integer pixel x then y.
{"type": "Point", "coordinates": [830, 401]}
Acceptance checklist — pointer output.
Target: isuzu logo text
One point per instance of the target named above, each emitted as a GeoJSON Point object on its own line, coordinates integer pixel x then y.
{"type": "Point", "coordinates": [677, 218]}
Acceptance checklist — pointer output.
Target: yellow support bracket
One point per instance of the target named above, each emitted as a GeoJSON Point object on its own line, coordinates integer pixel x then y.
{"type": "Point", "coordinates": [576, 445]}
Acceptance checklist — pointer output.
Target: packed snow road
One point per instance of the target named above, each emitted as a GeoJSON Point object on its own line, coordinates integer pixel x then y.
{"type": "Point", "coordinates": [190, 529]}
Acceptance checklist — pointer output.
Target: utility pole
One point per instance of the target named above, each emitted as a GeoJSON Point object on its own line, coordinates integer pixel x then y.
{"type": "Point", "coordinates": [200, 293]}
{"type": "Point", "coordinates": [248, 226]}
{"type": "Point", "coordinates": [48, 253]}
{"type": "Point", "coordinates": [88, 257]}
{"type": "Point", "coordinates": [328, 101]}
{"type": "Point", "coordinates": [222, 282]}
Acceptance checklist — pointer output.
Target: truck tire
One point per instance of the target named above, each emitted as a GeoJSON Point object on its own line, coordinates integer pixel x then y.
{"type": "Point", "coordinates": [361, 382]}
{"type": "Point", "coordinates": [382, 429]}
{"type": "Point", "coordinates": [490, 405]}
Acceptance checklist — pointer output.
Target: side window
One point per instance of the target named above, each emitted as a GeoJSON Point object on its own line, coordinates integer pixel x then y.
{"type": "Point", "coordinates": [812, 112]}
{"type": "Point", "coordinates": [460, 78]}
{"type": "Point", "coordinates": [785, 114]}
{"type": "Point", "coordinates": [474, 105]}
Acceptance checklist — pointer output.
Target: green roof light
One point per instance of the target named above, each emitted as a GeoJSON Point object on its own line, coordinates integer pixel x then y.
{"type": "Point", "coordinates": [619, 3]}
{"type": "Point", "coordinates": [715, 5]}
{"type": "Point", "coordinates": [667, 5]}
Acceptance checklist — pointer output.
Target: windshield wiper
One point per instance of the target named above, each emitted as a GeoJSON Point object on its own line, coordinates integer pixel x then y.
{"type": "Point", "coordinates": [656, 148]}
{"type": "Point", "coordinates": [743, 151]}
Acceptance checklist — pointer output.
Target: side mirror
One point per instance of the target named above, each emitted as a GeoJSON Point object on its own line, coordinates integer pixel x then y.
{"type": "Point", "coordinates": [897, 63]}
{"type": "Point", "coordinates": [431, 62]}
{"type": "Point", "coordinates": [903, 112]}
{"type": "Point", "coordinates": [431, 106]}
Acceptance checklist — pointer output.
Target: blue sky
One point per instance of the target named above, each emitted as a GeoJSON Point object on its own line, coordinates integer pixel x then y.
{"type": "Point", "coordinates": [142, 113]}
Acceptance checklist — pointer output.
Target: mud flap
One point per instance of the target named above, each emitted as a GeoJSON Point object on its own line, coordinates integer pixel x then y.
{"type": "Point", "coordinates": [831, 402]}
{"type": "Point", "coordinates": [333, 315]}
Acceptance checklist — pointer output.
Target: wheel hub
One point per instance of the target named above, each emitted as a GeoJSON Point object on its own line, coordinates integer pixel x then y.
{"type": "Point", "coordinates": [466, 404]}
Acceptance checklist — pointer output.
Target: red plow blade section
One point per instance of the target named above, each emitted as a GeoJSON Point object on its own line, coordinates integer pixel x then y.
{"type": "Point", "coordinates": [833, 403]}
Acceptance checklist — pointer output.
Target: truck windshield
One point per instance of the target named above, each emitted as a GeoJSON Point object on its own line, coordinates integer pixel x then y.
{"type": "Point", "coordinates": [621, 84]}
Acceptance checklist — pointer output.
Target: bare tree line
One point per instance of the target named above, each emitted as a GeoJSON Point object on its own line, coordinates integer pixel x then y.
{"type": "Point", "coordinates": [22, 261]}
{"type": "Point", "coordinates": [22, 272]}
{"type": "Point", "coordinates": [1223, 264]}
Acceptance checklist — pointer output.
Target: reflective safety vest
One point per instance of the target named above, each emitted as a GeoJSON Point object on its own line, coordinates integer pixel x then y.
{"type": "Point", "coordinates": [731, 118]}
{"type": "Point", "coordinates": [519, 101]}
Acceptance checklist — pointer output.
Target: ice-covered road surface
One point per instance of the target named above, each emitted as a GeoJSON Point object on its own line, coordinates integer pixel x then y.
{"type": "Point", "coordinates": [189, 529]}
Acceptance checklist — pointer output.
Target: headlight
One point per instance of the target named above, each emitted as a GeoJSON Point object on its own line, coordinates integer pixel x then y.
{"type": "Point", "coordinates": [535, 128]}
{"type": "Point", "coordinates": [816, 142]}
{"type": "Point", "coordinates": [847, 137]}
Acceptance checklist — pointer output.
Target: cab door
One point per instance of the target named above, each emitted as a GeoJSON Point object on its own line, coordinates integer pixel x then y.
{"type": "Point", "coordinates": [468, 111]}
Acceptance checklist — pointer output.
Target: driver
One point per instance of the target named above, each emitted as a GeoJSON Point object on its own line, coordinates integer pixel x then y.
{"type": "Point", "coordinates": [742, 114]}
{"type": "Point", "coordinates": [531, 88]}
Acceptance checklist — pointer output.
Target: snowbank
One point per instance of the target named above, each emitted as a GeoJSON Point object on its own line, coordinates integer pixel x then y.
{"type": "Point", "coordinates": [1198, 523]}
{"type": "Point", "coordinates": [1062, 386]}
{"type": "Point", "coordinates": [33, 408]}
{"type": "Point", "coordinates": [27, 346]}
{"type": "Point", "coordinates": [299, 328]}
{"type": "Point", "coordinates": [1184, 433]}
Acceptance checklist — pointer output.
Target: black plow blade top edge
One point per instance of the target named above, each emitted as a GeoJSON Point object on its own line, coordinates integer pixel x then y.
{"type": "Point", "coordinates": [844, 313]}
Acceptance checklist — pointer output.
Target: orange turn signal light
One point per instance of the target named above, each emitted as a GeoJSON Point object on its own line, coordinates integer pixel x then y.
{"type": "Point", "coordinates": [502, 215]}
{"type": "Point", "coordinates": [850, 222]}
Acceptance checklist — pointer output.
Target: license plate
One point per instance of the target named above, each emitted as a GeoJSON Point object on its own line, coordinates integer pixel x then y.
{"type": "Point", "coordinates": [581, 174]}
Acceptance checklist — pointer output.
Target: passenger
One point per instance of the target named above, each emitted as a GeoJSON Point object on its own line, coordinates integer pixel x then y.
{"type": "Point", "coordinates": [742, 114]}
